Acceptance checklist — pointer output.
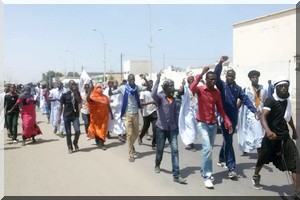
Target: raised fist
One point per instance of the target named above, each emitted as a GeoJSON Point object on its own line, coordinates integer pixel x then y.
{"type": "Point", "coordinates": [224, 58]}
{"type": "Point", "coordinates": [205, 69]}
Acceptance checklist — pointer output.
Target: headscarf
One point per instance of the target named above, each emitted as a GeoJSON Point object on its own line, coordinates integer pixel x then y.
{"type": "Point", "coordinates": [99, 96]}
{"type": "Point", "coordinates": [288, 111]}
{"type": "Point", "coordinates": [132, 92]}
{"type": "Point", "coordinates": [26, 93]}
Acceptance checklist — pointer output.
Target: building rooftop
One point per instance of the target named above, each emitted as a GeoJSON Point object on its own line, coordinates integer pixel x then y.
{"type": "Point", "coordinates": [264, 17]}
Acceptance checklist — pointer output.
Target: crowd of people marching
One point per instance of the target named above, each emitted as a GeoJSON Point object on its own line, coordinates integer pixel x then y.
{"type": "Point", "coordinates": [260, 117]}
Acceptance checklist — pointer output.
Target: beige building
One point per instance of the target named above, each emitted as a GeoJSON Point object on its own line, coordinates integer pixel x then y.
{"type": "Point", "coordinates": [266, 44]}
{"type": "Point", "coordinates": [135, 67]}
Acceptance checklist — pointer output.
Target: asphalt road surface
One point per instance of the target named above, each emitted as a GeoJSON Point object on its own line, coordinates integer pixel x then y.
{"type": "Point", "coordinates": [46, 169]}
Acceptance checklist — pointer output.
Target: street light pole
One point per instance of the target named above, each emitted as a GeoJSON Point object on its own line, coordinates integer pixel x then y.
{"type": "Point", "coordinates": [73, 62]}
{"type": "Point", "coordinates": [150, 41]}
{"type": "Point", "coordinates": [104, 56]}
{"type": "Point", "coordinates": [64, 65]}
{"type": "Point", "coordinates": [150, 51]}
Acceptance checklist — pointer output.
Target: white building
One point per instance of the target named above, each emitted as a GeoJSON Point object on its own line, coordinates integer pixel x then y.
{"type": "Point", "coordinates": [135, 67]}
{"type": "Point", "coordinates": [266, 44]}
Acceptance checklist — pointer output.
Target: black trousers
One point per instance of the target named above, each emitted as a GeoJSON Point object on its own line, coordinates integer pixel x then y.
{"type": "Point", "coordinates": [150, 119]}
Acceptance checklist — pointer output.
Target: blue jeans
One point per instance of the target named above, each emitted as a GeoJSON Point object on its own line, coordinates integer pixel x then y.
{"type": "Point", "coordinates": [12, 123]}
{"type": "Point", "coordinates": [207, 134]}
{"type": "Point", "coordinates": [227, 152]}
{"type": "Point", "coordinates": [48, 110]}
{"type": "Point", "coordinates": [76, 126]}
{"type": "Point", "coordinates": [86, 120]}
{"type": "Point", "coordinates": [161, 136]}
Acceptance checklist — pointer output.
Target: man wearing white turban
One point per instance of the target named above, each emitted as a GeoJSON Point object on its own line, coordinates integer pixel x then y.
{"type": "Point", "coordinates": [277, 145]}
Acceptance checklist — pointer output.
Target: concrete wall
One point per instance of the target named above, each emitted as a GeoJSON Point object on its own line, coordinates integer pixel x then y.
{"type": "Point", "coordinates": [135, 67]}
{"type": "Point", "coordinates": [267, 44]}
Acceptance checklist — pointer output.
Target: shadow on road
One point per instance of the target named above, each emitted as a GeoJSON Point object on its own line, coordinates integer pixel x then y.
{"type": "Point", "coordinates": [143, 154]}
{"type": "Point", "coordinates": [251, 155]}
{"type": "Point", "coordinates": [11, 148]}
{"type": "Point", "coordinates": [283, 190]}
{"type": "Point", "coordinates": [94, 147]}
{"type": "Point", "coordinates": [40, 140]}
{"type": "Point", "coordinates": [198, 147]}
{"type": "Point", "coordinates": [239, 170]}
{"type": "Point", "coordinates": [185, 172]}
{"type": "Point", "coordinates": [115, 144]}
{"type": "Point", "coordinates": [166, 171]}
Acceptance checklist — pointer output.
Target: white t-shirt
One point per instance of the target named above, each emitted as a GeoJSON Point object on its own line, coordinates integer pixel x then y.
{"type": "Point", "coordinates": [150, 108]}
{"type": "Point", "coordinates": [84, 108]}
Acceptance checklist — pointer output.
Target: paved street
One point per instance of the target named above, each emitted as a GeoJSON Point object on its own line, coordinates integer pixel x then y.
{"type": "Point", "coordinates": [46, 169]}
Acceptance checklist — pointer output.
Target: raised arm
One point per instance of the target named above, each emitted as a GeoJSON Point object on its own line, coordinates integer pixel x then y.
{"type": "Point", "coordinates": [146, 81]}
{"type": "Point", "coordinates": [181, 88]}
{"type": "Point", "coordinates": [155, 88]}
{"type": "Point", "coordinates": [219, 68]}
{"type": "Point", "coordinates": [193, 86]}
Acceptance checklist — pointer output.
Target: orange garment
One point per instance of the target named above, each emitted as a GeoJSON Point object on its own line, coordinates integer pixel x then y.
{"type": "Point", "coordinates": [170, 100]}
{"type": "Point", "coordinates": [99, 113]}
{"type": "Point", "coordinates": [256, 97]}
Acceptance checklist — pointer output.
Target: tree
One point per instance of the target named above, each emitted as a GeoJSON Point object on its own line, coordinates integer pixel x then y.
{"type": "Point", "coordinates": [70, 74]}
{"type": "Point", "coordinates": [48, 76]}
{"type": "Point", "coordinates": [111, 77]}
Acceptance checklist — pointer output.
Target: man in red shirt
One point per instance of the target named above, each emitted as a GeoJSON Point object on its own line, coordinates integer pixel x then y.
{"type": "Point", "coordinates": [209, 98]}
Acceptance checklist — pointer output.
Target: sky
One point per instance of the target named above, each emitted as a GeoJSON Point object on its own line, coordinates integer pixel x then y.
{"type": "Point", "coordinates": [39, 38]}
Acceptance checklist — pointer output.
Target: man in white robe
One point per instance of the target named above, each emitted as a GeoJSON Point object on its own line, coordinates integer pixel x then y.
{"type": "Point", "coordinates": [187, 116]}
{"type": "Point", "coordinates": [54, 96]}
{"type": "Point", "coordinates": [116, 126]}
{"type": "Point", "coordinates": [250, 132]}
